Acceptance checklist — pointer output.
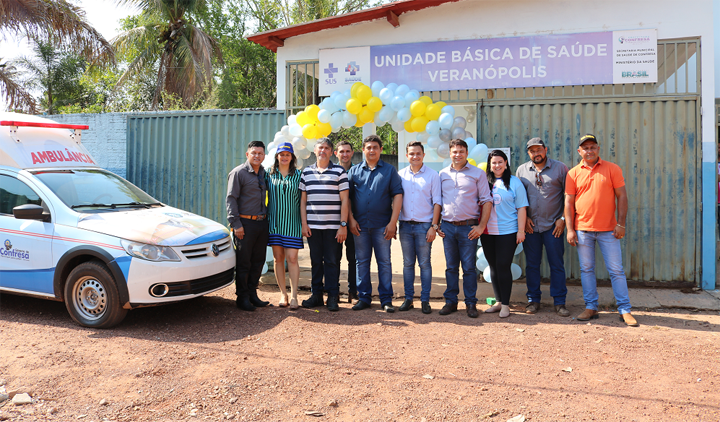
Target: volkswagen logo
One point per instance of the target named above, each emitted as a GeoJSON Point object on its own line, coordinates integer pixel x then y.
{"type": "Point", "coordinates": [215, 250]}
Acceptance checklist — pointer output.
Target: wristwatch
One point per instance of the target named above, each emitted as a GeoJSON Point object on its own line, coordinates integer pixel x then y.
{"type": "Point", "coordinates": [562, 218]}
{"type": "Point", "coordinates": [343, 224]}
{"type": "Point", "coordinates": [435, 226]}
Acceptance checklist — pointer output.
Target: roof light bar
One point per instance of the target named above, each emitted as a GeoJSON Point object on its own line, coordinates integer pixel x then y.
{"type": "Point", "coordinates": [45, 125]}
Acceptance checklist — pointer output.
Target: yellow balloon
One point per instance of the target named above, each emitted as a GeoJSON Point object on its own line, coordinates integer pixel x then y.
{"type": "Point", "coordinates": [355, 87]}
{"type": "Point", "coordinates": [312, 111]}
{"type": "Point", "coordinates": [324, 129]}
{"type": "Point", "coordinates": [374, 104]}
{"type": "Point", "coordinates": [302, 119]}
{"type": "Point", "coordinates": [427, 100]}
{"type": "Point", "coordinates": [472, 162]}
{"type": "Point", "coordinates": [419, 123]}
{"type": "Point", "coordinates": [366, 115]}
{"type": "Point", "coordinates": [417, 108]}
{"type": "Point", "coordinates": [482, 166]}
{"type": "Point", "coordinates": [353, 105]}
{"type": "Point", "coordinates": [359, 123]}
{"type": "Point", "coordinates": [433, 112]}
{"type": "Point", "coordinates": [364, 93]}
{"type": "Point", "coordinates": [310, 131]}
{"type": "Point", "coordinates": [441, 104]}
{"type": "Point", "coordinates": [408, 126]}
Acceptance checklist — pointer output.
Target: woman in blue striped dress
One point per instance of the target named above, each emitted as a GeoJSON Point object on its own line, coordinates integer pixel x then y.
{"type": "Point", "coordinates": [283, 182]}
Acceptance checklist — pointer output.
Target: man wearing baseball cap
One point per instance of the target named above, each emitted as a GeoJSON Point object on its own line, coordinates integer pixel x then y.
{"type": "Point", "coordinates": [595, 191]}
{"type": "Point", "coordinates": [544, 181]}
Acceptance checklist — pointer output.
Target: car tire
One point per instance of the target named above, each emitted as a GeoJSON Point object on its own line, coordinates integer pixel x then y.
{"type": "Point", "coordinates": [91, 296]}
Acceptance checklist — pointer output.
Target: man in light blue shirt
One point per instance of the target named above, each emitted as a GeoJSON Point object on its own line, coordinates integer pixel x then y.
{"type": "Point", "coordinates": [419, 217]}
{"type": "Point", "coordinates": [466, 203]}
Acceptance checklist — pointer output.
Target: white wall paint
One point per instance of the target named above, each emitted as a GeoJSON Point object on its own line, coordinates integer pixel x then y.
{"type": "Point", "coordinates": [106, 138]}
{"type": "Point", "coordinates": [472, 19]}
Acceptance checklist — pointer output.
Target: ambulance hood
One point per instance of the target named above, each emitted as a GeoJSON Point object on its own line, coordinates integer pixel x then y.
{"type": "Point", "coordinates": [164, 226]}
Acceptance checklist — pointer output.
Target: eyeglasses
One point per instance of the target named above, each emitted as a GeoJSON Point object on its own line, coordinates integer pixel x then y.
{"type": "Point", "coordinates": [538, 180]}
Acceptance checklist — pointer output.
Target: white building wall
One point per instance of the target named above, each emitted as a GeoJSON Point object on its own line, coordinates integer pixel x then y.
{"type": "Point", "coordinates": [106, 138]}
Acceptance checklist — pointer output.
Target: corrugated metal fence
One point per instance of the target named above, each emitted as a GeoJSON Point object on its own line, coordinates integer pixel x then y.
{"type": "Point", "coordinates": [183, 158]}
{"type": "Point", "coordinates": [655, 143]}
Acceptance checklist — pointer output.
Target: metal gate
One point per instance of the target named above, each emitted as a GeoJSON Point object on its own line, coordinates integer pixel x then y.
{"type": "Point", "coordinates": [183, 158]}
{"type": "Point", "coordinates": [653, 140]}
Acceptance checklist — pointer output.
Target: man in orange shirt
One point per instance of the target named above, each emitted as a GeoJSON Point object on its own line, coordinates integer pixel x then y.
{"type": "Point", "coordinates": [592, 188]}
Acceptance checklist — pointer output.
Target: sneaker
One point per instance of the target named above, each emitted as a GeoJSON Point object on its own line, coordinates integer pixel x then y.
{"type": "Point", "coordinates": [313, 301]}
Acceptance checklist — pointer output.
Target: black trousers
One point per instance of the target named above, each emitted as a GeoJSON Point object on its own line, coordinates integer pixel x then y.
{"type": "Point", "coordinates": [499, 251]}
{"type": "Point", "coordinates": [352, 263]}
{"type": "Point", "coordinates": [250, 256]}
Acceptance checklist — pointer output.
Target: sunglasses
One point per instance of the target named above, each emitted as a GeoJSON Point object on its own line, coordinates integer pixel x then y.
{"type": "Point", "coordinates": [538, 180]}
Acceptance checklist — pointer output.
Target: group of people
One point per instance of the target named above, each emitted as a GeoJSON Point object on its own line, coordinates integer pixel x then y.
{"type": "Point", "coordinates": [360, 206]}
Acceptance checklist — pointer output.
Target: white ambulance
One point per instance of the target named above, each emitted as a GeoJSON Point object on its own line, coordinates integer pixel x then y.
{"type": "Point", "coordinates": [73, 232]}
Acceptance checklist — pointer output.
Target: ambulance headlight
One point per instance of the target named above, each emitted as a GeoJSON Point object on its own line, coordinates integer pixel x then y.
{"type": "Point", "coordinates": [149, 252]}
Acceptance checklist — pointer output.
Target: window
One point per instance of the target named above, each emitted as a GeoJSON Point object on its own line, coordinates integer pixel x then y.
{"type": "Point", "coordinates": [14, 193]}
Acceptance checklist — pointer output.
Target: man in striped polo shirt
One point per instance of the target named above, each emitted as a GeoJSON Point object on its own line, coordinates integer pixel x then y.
{"type": "Point", "coordinates": [324, 205]}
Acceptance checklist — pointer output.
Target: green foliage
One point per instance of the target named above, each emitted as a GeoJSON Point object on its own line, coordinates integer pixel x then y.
{"type": "Point", "coordinates": [354, 136]}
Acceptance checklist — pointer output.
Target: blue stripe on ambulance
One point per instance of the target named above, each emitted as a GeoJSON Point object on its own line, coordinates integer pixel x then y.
{"type": "Point", "coordinates": [210, 237]}
{"type": "Point", "coordinates": [40, 281]}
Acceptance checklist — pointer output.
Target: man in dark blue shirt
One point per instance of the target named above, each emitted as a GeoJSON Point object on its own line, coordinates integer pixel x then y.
{"type": "Point", "coordinates": [376, 197]}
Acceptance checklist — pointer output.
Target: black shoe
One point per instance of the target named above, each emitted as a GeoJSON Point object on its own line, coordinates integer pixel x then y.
{"type": "Point", "coordinates": [353, 298]}
{"type": "Point", "coordinates": [255, 300]}
{"type": "Point", "coordinates": [448, 309]}
{"type": "Point", "coordinates": [472, 310]}
{"type": "Point", "coordinates": [426, 309]}
{"type": "Point", "coordinates": [388, 307]}
{"type": "Point", "coordinates": [406, 306]}
{"type": "Point", "coordinates": [332, 303]}
{"type": "Point", "coordinates": [242, 302]}
{"type": "Point", "coordinates": [313, 301]}
{"type": "Point", "coordinates": [360, 306]}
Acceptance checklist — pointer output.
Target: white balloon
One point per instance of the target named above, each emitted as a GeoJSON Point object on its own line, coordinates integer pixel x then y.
{"type": "Point", "coordinates": [279, 137]}
{"type": "Point", "coordinates": [443, 150]}
{"type": "Point", "coordinates": [386, 96]}
{"type": "Point", "coordinates": [449, 110]}
{"type": "Point", "coordinates": [269, 254]}
{"type": "Point", "coordinates": [291, 120]}
{"type": "Point", "coordinates": [285, 130]}
{"type": "Point", "coordinates": [516, 271]}
{"type": "Point", "coordinates": [265, 268]}
{"type": "Point", "coordinates": [303, 154]}
{"type": "Point", "coordinates": [273, 144]}
{"type": "Point", "coordinates": [422, 137]}
{"type": "Point", "coordinates": [397, 103]}
{"type": "Point", "coordinates": [349, 119]}
{"type": "Point", "coordinates": [324, 116]}
{"type": "Point", "coordinates": [434, 141]}
{"type": "Point", "coordinates": [299, 162]}
{"type": "Point", "coordinates": [397, 126]}
{"type": "Point", "coordinates": [299, 142]}
{"type": "Point", "coordinates": [433, 127]}
{"type": "Point", "coordinates": [519, 249]}
{"type": "Point", "coordinates": [295, 129]}
{"type": "Point", "coordinates": [336, 121]}
{"type": "Point", "coordinates": [481, 262]}
{"type": "Point", "coordinates": [486, 274]}
{"type": "Point", "coordinates": [268, 162]}
{"type": "Point", "coordinates": [271, 153]}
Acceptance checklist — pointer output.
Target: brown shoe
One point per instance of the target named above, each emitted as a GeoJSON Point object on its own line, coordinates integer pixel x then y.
{"type": "Point", "coordinates": [532, 308]}
{"type": "Point", "coordinates": [587, 315]}
{"type": "Point", "coordinates": [562, 310]}
{"type": "Point", "coordinates": [629, 320]}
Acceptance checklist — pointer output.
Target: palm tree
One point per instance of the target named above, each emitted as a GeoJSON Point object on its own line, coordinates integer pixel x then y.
{"type": "Point", "coordinates": [168, 40]}
{"type": "Point", "coordinates": [45, 19]}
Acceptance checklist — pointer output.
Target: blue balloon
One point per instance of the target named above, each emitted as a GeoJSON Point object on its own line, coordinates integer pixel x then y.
{"type": "Point", "coordinates": [445, 120]}
{"type": "Point", "coordinates": [349, 119]}
{"type": "Point", "coordinates": [411, 97]}
{"type": "Point", "coordinates": [340, 101]}
{"type": "Point", "coordinates": [449, 110]}
{"type": "Point", "coordinates": [433, 127]}
{"type": "Point", "coordinates": [336, 120]}
{"type": "Point", "coordinates": [479, 153]}
{"type": "Point", "coordinates": [402, 90]}
{"type": "Point", "coordinates": [376, 87]}
{"type": "Point", "coordinates": [423, 137]}
{"type": "Point", "coordinates": [434, 141]}
{"type": "Point", "coordinates": [347, 93]}
{"type": "Point", "coordinates": [385, 96]}
{"type": "Point", "coordinates": [404, 114]}
{"type": "Point", "coordinates": [386, 113]}
{"type": "Point", "coordinates": [397, 103]}
{"type": "Point", "coordinates": [324, 116]}
{"type": "Point", "coordinates": [471, 143]}
{"type": "Point", "coordinates": [392, 86]}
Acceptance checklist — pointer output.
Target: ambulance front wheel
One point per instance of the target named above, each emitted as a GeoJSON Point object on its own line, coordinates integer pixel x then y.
{"type": "Point", "coordinates": [91, 296]}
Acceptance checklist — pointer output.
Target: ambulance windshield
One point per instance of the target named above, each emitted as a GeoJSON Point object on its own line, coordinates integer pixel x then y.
{"type": "Point", "coordinates": [94, 189]}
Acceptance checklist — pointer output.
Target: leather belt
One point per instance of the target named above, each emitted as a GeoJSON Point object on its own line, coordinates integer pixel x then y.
{"type": "Point", "coordinates": [412, 222]}
{"type": "Point", "coordinates": [470, 222]}
{"type": "Point", "coordinates": [253, 217]}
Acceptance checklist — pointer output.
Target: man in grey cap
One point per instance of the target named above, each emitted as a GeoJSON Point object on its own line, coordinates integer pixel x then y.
{"type": "Point", "coordinates": [544, 180]}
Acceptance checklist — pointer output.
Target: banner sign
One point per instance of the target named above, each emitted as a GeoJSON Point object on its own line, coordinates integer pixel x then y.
{"type": "Point", "coordinates": [615, 57]}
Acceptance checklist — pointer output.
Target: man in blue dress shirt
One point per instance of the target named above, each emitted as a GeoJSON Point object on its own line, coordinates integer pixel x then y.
{"type": "Point", "coordinates": [376, 196]}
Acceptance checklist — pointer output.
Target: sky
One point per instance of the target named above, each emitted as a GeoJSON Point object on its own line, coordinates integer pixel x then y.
{"type": "Point", "coordinates": [103, 15]}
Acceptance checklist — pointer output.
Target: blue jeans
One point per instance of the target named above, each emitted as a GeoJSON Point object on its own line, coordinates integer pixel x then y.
{"type": "Point", "coordinates": [365, 243]}
{"type": "Point", "coordinates": [324, 261]}
{"type": "Point", "coordinates": [612, 254]}
{"type": "Point", "coordinates": [352, 265]}
{"type": "Point", "coordinates": [555, 248]}
{"type": "Point", "coordinates": [414, 244]}
{"type": "Point", "coordinates": [459, 249]}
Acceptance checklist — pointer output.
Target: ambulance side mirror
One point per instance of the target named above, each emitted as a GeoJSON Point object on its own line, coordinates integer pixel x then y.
{"type": "Point", "coordinates": [30, 212]}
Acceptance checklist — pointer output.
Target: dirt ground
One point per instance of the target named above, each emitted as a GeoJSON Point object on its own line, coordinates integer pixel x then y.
{"type": "Point", "coordinates": [206, 360]}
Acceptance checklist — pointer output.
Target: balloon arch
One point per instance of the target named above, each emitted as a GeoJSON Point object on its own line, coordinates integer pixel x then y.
{"type": "Point", "coordinates": [434, 123]}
